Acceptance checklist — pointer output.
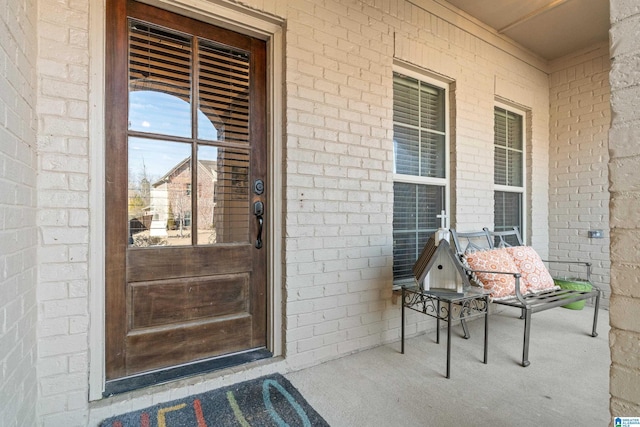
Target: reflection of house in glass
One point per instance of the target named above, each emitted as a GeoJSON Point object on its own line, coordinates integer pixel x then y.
{"type": "Point", "coordinates": [138, 208]}
{"type": "Point", "coordinates": [231, 217]}
{"type": "Point", "coordinates": [163, 209]}
{"type": "Point", "coordinates": [171, 195]}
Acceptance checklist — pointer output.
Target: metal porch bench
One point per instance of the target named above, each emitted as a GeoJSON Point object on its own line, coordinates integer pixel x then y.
{"type": "Point", "coordinates": [532, 302]}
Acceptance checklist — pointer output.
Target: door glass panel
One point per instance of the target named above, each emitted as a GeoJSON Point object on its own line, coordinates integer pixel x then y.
{"type": "Point", "coordinates": [223, 93]}
{"type": "Point", "coordinates": [206, 194]}
{"type": "Point", "coordinates": [159, 81]}
{"type": "Point", "coordinates": [223, 195]}
{"type": "Point", "coordinates": [159, 210]}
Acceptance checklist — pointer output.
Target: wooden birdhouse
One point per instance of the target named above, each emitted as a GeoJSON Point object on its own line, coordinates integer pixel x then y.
{"type": "Point", "coordinates": [437, 268]}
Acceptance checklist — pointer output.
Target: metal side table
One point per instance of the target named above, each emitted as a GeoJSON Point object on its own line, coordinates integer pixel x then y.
{"type": "Point", "coordinates": [450, 307]}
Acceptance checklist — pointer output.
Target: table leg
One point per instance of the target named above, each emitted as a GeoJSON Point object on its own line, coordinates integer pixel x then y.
{"type": "Point", "coordinates": [438, 323]}
{"type": "Point", "coordinates": [449, 341]}
{"type": "Point", "coordinates": [402, 325]}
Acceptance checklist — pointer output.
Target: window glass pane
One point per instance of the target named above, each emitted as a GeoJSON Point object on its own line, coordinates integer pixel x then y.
{"type": "Point", "coordinates": [508, 149]}
{"type": "Point", "coordinates": [514, 130]}
{"type": "Point", "coordinates": [223, 93]}
{"type": "Point", "coordinates": [159, 81]}
{"type": "Point", "coordinates": [430, 203]}
{"type": "Point", "coordinates": [416, 103]}
{"type": "Point", "coordinates": [431, 107]}
{"type": "Point", "coordinates": [405, 100]}
{"type": "Point", "coordinates": [432, 156]}
{"type": "Point", "coordinates": [500, 166]}
{"type": "Point", "coordinates": [419, 124]}
{"type": "Point", "coordinates": [404, 206]}
{"type": "Point", "coordinates": [414, 220]}
{"type": "Point", "coordinates": [514, 160]}
{"type": "Point", "coordinates": [406, 150]}
{"type": "Point", "coordinates": [500, 128]}
{"type": "Point", "coordinates": [159, 193]}
{"type": "Point", "coordinates": [404, 253]}
{"type": "Point", "coordinates": [508, 211]}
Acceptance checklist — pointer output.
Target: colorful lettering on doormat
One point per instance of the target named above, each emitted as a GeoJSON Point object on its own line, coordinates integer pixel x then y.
{"type": "Point", "coordinates": [266, 401]}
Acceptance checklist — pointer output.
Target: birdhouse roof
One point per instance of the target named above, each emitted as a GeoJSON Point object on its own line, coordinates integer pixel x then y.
{"type": "Point", "coordinates": [430, 253]}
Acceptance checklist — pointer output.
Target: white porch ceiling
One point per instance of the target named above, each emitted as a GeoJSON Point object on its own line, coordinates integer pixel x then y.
{"type": "Point", "coordinates": [548, 28]}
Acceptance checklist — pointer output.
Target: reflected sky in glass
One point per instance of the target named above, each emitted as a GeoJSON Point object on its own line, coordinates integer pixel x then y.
{"type": "Point", "coordinates": [206, 152]}
{"type": "Point", "coordinates": [154, 158]}
{"type": "Point", "coordinates": [161, 113]}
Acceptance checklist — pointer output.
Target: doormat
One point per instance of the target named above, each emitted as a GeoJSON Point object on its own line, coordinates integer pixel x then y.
{"type": "Point", "coordinates": [266, 401]}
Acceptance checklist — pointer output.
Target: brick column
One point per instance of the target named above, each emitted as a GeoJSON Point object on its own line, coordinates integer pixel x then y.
{"type": "Point", "coordinates": [624, 186]}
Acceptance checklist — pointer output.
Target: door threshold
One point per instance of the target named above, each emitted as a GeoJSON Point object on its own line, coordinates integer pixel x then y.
{"type": "Point", "coordinates": [123, 385]}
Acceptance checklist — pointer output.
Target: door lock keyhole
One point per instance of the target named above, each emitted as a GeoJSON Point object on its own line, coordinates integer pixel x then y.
{"type": "Point", "coordinates": [258, 187]}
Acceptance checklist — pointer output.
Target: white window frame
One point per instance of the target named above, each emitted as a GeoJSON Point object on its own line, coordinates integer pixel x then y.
{"type": "Point", "coordinates": [513, 189]}
{"type": "Point", "coordinates": [436, 81]}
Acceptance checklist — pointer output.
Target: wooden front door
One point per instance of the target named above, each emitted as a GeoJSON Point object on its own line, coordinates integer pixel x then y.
{"type": "Point", "coordinates": [185, 192]}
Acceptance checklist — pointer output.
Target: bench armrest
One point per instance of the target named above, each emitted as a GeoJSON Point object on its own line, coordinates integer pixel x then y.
{"type": "Point", "coordinates": [515, 275]}
{"type": "Point", "coordinates": [586, 264]}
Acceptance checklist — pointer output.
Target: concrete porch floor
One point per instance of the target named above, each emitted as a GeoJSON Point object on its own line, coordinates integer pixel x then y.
{"type": "Point", "coordinates": [566, 384]}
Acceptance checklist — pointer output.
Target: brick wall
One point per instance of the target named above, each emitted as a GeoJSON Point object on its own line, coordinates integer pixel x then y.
{"type": "Point", "coordinates": [338, 197]}
{"type": "Point", "coordinates": [18, 237]}
{"type": "Point", "coordinates": [63, 208]}
{"type": "Point", "coordinates": [339, 64]}
{"type": "Point", "coordinates": [624, 186]}
{"type": "Point", "coordinates": [578, 196]}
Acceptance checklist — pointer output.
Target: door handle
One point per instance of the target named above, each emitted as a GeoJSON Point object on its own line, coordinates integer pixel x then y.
{"type": "Point", "coordinates": [259, 238]}
{"type": "Point", "coordinates": [258, 211]}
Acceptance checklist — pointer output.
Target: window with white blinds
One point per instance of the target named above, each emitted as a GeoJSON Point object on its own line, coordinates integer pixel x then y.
{"type": "Point", "coordinates": [508, 169]}
{"type": "Point", "coordinates": [420, 172]}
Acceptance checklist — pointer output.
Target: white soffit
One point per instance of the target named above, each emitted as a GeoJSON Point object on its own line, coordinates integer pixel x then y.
{"type": "Point", "coordinates": [548, 28]}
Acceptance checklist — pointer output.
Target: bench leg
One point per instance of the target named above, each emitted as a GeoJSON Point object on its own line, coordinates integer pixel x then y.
{"type": "Point", "coordinates": [594, 333]}
{"type": "Point", "coordinates": [527, 330]}
{"type": "Point", "coordinates": [486, 327]}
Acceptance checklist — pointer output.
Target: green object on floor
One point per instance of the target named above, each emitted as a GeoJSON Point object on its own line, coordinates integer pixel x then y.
{"type": "Point", "coordinates": [575, 285]}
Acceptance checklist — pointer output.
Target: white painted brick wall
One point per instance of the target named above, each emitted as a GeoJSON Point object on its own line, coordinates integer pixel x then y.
{"type": "Point", "coordinates": [624, 186]}
{"type": "Point", "coordinates": [338, 196]}
{"type": "Point", "coordinates": [338, 225]}
{"type": "Point", "coordinates": [63, 206]}
{"type": "Point", "coordinates": [579, 200]}
{"type": "Point", "coordinates": [18, 234]}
